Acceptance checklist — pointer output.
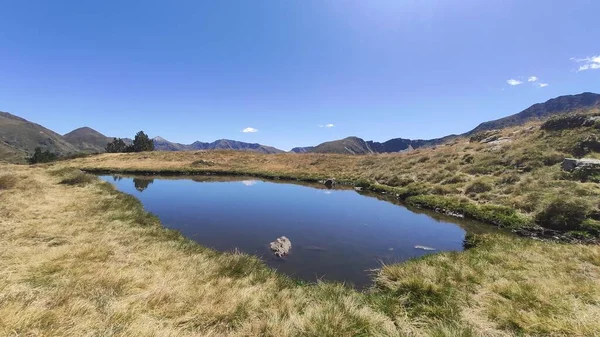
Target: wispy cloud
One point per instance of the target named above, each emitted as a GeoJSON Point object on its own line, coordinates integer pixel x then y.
{"type": "Point", "coordinates": [589, 63]}
{"type": "Point", "coordinates": [534, 80]}
{"type": "Point", "coordinates": [249, 130]}
{"type": "Point", "coordinates": [326, 125]}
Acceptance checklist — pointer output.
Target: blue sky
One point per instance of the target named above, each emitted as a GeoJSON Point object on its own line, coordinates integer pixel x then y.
{"type": "Point", "coordinates": [204, 70]}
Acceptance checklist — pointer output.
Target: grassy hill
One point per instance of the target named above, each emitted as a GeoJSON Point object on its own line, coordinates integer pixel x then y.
{"type": "Point", "coordinates": [88, 139]}
{"type": "Point", "coordinates": [19, 138]}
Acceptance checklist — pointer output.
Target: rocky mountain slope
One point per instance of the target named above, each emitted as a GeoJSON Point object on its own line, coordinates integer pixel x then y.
{"type": "Point", "coordinates": [552, 107]}
{"type": "Point", "coordinates": [556, 106]}
{"type": "Point", "coordinates": [303, 149]}
{"type": "Point", "coordinates": [162, 144]}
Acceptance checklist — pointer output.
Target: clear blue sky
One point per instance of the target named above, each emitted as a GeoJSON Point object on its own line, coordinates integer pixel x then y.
{"type": "Point", "coordinates": [204, 70]}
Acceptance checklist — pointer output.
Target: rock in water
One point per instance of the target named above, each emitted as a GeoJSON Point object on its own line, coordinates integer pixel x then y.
{"type": "Point", "coordinates": [329, 182]}
{"type": "Point", "coordinates": [424, 248]}
{"type": "Point", "coordinates": [281, 246]}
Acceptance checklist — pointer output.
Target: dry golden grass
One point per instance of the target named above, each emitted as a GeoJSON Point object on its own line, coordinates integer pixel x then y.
{"type": "Point", "coordinates": [84, 260]}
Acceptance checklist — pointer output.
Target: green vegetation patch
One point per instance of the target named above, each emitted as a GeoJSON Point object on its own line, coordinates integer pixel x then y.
{"type": "Point", "coordinates": [494, 214]}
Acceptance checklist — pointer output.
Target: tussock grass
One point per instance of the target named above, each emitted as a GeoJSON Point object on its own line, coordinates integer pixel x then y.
{"type": "Point", "coordinates": [87, 260]}
{"type": "Point", "coordinates": [502, 286]}
{"type": "Point", "coordinates": [7, 181]}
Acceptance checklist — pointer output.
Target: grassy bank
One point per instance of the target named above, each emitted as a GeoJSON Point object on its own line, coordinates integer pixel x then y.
{"type": "Point", "coordinates": [79, 258]}
{"type": "Point", "coordinates": [514, 181]}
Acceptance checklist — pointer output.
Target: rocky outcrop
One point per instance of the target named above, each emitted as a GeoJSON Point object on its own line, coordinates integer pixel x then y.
{"type": "Point", "coordinates": [572, 164]}
{"type": "Point", "coordinates": [570, 122]}
{"type": "Point", "coordinates": [329, 182]}
{"type": "Point", "coordinates": [281, 246]}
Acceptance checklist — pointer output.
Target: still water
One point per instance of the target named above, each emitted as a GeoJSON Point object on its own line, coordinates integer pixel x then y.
{"type": "Point", "coordinates": [339, 235]}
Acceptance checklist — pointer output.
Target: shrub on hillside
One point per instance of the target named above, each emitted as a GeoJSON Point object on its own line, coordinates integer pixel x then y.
{"type": "Point", "coordinates": [455, 179]}
{"type": "Point", "coordinates": [509, 179]}
{"type": "Point", "coordinates": [552, 158]}
{"type": "Point", "coordinates": [479, 186]}
{"type": "Point", "coordinates": [587, 145]}
{"type": "Point", "coordinates": [562, 214]}
{"type": "Point", "coordinates": [7, 181]}
{"type": "Point", "coordinates": [78, 178]}
{"type": "Point", "coordinates": [40, 156]}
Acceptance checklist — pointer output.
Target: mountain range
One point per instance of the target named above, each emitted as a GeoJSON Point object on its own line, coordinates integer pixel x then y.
{"type": "Point", "coordinates": [19, 137]}
{"type": "Point", "coordinates": [162, 144]}
{"type": "Point", "coordinates": [556, 106]}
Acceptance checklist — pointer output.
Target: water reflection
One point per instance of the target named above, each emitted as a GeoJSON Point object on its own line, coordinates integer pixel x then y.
{"type": "Point", "coordinates": [141, 184]}
{"type": "Point", "coordinates": [249, 182]}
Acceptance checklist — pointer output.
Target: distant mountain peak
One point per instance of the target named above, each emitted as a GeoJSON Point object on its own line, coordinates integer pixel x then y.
{"type": "Point", "coordinates": [84, 131]}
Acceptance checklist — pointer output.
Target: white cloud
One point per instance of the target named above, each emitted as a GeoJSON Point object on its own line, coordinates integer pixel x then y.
{"type": "Point", "coordinates": [513, 82]}
{"type": "Point", "coordinates": [532, 79]}
{"type": "Point", "coordinates": [249, 130]}
{"type": "Point", "coordinates": [589, 63]}
{"type": "Point", "coordinates": [326, 125]}
{"type": "Point", "coordinates": [542, 85]}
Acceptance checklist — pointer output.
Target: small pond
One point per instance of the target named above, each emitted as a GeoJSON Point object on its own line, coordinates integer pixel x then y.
{"type": "Point", "coordinates": [336, 234]}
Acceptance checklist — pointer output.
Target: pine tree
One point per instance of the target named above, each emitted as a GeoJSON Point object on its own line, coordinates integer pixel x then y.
{"type": "Point", "coordinates": [40, 156]}
{"type": "Point", "coordinates": [116, 146]}
{"type": "Point", "coordinates": [142, 142]}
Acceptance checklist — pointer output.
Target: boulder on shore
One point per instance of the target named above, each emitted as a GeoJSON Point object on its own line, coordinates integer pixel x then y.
{"type": "Point", "coordinates": [329, 182]}
{"type": "Point", "coordinates": [281, 246]}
